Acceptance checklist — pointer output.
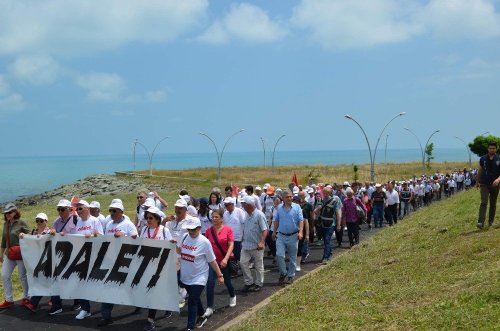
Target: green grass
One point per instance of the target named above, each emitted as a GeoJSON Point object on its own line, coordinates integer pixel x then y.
{"type": "Point", "coordinates": [434, 270]}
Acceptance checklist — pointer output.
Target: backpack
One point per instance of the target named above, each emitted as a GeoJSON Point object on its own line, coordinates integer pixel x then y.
{"type": "Point", "coordinates": [327, 216]}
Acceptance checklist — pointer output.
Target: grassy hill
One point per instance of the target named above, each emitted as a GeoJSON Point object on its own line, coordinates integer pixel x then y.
{"type": "Point", "coordinates": [434, 270]}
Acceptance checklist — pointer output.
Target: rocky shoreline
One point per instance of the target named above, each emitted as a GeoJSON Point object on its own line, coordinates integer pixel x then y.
{"type": "Point", "coordinates": [89, 186]}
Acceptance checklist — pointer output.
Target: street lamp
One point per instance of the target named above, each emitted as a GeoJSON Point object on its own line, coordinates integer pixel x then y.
{"type": "Point", "coordinates": [372, 157]}
{"type": "Point", "coordinates": [150, 155]}
{"type": "Point", "coordinates": [385, 154]}
{"type": "Point", "coordinates": [274, 149]}
{"type": "Point", "coordinates": [264, 149]}
{"type": "Point", "coordinates": [422, 149]}
{"type": "Point", "coordinates": [484, 134]}
{"type": "Point", "coordinates": [219, 156]}
{"type": "Point", "coordinates": [468, 151]}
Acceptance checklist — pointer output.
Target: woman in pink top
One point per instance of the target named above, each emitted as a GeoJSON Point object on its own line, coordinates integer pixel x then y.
{"type": "Point", "coordinates": [222, 234]}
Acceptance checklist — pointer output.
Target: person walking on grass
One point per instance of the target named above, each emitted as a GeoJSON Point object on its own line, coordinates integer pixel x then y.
{"type": "Point", "coordinates": [488, 180]}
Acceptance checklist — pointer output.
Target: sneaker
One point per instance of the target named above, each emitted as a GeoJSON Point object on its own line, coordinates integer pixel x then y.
{"type": "Point", "coordinates": [281, 280]}
{"type": "Point", "coordinates": [289, 281]}
{"type": "Point", "coordinates": [297, 268]}
{"type": "Point", "coordinates": [149, 326]}
{"type": "Point", "coordinates": [247, 288]}
{"type": "Point", "coordinates": [168, 314]}
{"type": "Point", "coordinates": [201, 321]}
{"type": "Point", "coordinates": [76, 306]}
{"type": "Point", "coordinates": [30, 307]}
{"type": "Point", "coordinates": [105, 321]}
{"type": "Point", "coordinates": [55, 310]}
{"type": "Point", "coordinates": [6, 304]}
{"type": "Point", "coordinates": [82, 314]}
{"type": "Point", "coordinates": [251, 266]}
{"type": "Point", "coordinates": [256, 288]}
{"type": "Point", "coordinates": [324, 261]}
{"type": "Point", "coordinates": [232, 301]}
{"type": "Point", "coordinates": [209, 312]}
{"type": "Point", "coordinates": [24, 301]}
{"type": "Point", "coordinates": [480, 225]}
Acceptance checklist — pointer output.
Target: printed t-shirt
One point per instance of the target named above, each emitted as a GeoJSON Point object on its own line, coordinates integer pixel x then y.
{"type": "Point", "coordinates": [125, 226]}
{"type": "Point", "coordinates": [196, 253]}
{"type": "Point", "coordinates": [88, 226]}
{"type": "Point", "coordinates": [158, 233]}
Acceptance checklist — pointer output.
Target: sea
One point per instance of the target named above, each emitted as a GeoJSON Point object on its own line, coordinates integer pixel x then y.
{"type": "Point", "coordinates": [24, 176]}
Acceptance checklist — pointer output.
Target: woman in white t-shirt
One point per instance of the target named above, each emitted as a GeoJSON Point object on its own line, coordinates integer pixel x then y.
{"type": "Point", "coordinates": [215, 201]}
{"type": "Point", "coordinates": [196, 256]}
{"type": "Point", "coordinates": [154, 231]}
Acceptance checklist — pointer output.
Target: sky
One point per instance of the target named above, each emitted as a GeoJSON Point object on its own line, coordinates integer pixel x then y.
{"type": "Point", "coordinates": [91, 77]}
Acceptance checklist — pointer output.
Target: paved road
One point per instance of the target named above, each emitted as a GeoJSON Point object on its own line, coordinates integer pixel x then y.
{"type": "Point", "coordinates": [19, 318]}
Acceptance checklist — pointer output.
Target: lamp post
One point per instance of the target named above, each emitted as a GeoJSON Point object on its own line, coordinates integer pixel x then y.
{"type": "Point", "coordinates": [150, 155]}
{"type": "Point", "coordinates": [219, 156]}
{"type": "Point", "coordinates": [372, 157]}
{"type": "Point", "coordinates": [264, 149]}
{"type": "Point", "coordinates": [274, 149]}
{"type": "Point", "coordinates": [484, 134]}
{"type": "Point", "coordinates": [422, 149]}
{"type": "Point", "coordinates": [468, 151]}
{"type": "Point", "coordinates": [385, 152]}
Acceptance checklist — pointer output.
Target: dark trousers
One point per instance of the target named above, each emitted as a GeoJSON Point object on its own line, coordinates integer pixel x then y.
{"type": "Point", "coordinates": [271, 243]}
{"type": "Point", "coordinates": [195, 307]}
{"type": "Point", "coordinates": [339, 234]}
{"type": "Point", "coordinates": [237, 250]}
{"type": "Point", "coordinates": [353, 233]}
{"type": "Point", "coordinates": [488, 194]}
{"type": "Point", "coordinates": [392, 214]}
{"type": "Point", "coordinates": [106, 309]}
{"type": "Point", "coordinates": [211, 284]}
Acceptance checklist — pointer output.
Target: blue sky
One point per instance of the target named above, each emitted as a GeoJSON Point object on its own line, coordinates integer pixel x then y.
{"type": "Point", "coordinates": [89, 77]}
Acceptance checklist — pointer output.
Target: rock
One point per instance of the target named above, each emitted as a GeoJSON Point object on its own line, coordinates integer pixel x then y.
{"type": "Point", "coordinates": [369, 293]}
{"type": "Point", "coordinates": [364, 302]}
{"type": "Point", "coordinates": [443, 230]}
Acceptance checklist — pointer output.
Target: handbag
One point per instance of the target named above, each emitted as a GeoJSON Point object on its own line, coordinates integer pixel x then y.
{"type": "Point", "coordinates": [361, 213]}
{"type": "Point", "coordinates": [232, 263]}
{"type": "Point", "coordinates": [14, 252]}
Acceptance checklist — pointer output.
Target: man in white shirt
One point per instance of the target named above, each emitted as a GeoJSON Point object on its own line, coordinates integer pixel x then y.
{"type": "Point", "coordinates": [392, 204]}
{"type": "Point", "coordinates": [249, 191]}
{"type": "Point", "coordinates": [235, 218]}
{"type": "Point", "coordinates": [95, 210]}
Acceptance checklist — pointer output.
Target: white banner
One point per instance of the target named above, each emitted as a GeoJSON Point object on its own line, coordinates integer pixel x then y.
{"type": "Point", "coordinates": [126, 271]}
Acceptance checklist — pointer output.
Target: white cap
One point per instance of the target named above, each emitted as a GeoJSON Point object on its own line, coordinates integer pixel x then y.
{"type": "Point", "coordinates": [95, 204]}
{"type": "Point", "coordinates": [186, 198]}
{"type": "Point", "coordinates": [347, 184]}
{"type": "Point", "coordinates": [83, 203]}
{"type": "Point", "coordinates": [258, 188]}
{"type": "Point", "coordinates": [378, 185]}
{"type": "Point", "coordinates": [64, 203]}
{"type": "Point", "coordinates": [266, 186]}
{"type": "Point", "coordinates": [191, 210]}
{"type": "Point", "coordinates": [349, 190]}
{"type": "Point", "coordinates": [248, 200]}
{"type": "Point", "coordinates": [117, 204]}
{"type": "Point", "coordinates": [191, 223]}
{"type": "Point", "coordinates": [230, 200]}
{"type": "Point", "coordinates": [156, 211]}
{"type": "Point", "coordinates": [42, 216]}
{"type": "Point", "coordinates": [149, 203]}
{"type": "Point", "coordinates": [295, 190]}
{"type": "Point", "coordinates": [181, 203]}
{"type": "Point", "coordinates": [310, 190]}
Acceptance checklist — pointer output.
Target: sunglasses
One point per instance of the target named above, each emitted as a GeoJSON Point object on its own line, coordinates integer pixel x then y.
{"type": "Point", "coordinates": [79, 209]}
{"type": "Point", "coordinates": [61, 209]}
{"type": "Point", "coordinates": [112, 211]}
{"type": "Point", "coordinates": [192, 229]}
{"type": "Point", "coordinates": [39, 220]}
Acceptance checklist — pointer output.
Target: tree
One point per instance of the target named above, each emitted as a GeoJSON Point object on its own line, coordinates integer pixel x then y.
{"type": "Point", "coordinates": [355, 169]}
{"type": "Point", "coordinates": [480, 144]}
{"type": "Point", "coordinates": [428, 151]}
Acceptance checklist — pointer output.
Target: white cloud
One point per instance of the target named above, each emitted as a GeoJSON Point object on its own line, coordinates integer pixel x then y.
{"type": "Point", "coordinates": [342, 24]}
{"type": "Point", "coordinates": [102, 86]}
{"type": "Point", "coordinates": [244, 22]}
{"type": "Point", "coordinates": [37, 70]}
{"type": "Point", "coordinates": [4, 86]}
{"type": "Point", "coordinates": [9, 101]}
{"type": "Point", "coordinates": [74, 27]}
{"type": "Point", "coordinates": [456, 19]}
{"type": "Point", "coordinates": [111, 87]}
{"type": "Point", "coordinates": [339, 24]}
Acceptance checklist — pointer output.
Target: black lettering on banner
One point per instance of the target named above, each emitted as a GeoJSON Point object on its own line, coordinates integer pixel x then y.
{"type": "Point", "coordinates": [46, 265]}
{"type": "Point", "coordinates": [97, 273]}
{"type": "Point", "coordinates": [161, 264]}
{"type": "Point", "coordinates": [81, 269]}
{"type": "Point", "coordinates": [64, 250]}
{"type": "Point", "coordinates": [149, 253]}
{"type": "Point", "coordinates": [122, 261]}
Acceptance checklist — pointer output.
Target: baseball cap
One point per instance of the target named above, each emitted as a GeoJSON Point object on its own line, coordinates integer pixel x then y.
{"type": "Point", "coordinates": [266, 186]}
{"type": "Point", "coordinates": [156, 211]}
{"type": "Point", "coordinates": [116, 203]}
{"type": "Point", "coordinates": [9, 207]}
{"type": "Point", "coordinates": [229, 200]}
{"type": "Point", "coordinates": [95, 204]}
{"type": "Point", "coordinates": [258, 188]}
{"type": "Point", "coordinates": [64, 203]}
{"type": "Point", "coordinates": [346, 184]}
{"type": "Point", "coordinates": [248, 200]}
{"type": "Point", "coordinates": [42, 216]}
{"type": "Point", "coordinates": [83, 203]}
{"type": "Point", "coordinates": [181, 203]}
{"type": "Point", "coordinates": [149, 203]}
{"type": "Point", "coordinates": [191, 223]}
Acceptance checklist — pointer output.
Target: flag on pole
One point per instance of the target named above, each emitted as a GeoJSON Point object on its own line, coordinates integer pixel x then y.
{"type": "Point", "coordinates": [295, 180]}
{"type": "Point", "coordinates": [236, 190]}
{"type": "Point", "coordinates": [74, 201]}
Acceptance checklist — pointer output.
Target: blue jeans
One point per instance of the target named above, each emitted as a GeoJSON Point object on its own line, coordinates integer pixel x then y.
{"type": "Point", "coordinates": [327, 242]}
{"type": "Point", "coordinates": [211, 284]}
{"type": "Point", "coordinates": [378, 214]}
{"type": "Point", "coordinates": [106, 309]}
{"type": "Point", "coordinates": [195, 307]}
{"type": "Point", "coordinates": [237, 250]}
{"type": "Point", "coordinates": [283, 244]}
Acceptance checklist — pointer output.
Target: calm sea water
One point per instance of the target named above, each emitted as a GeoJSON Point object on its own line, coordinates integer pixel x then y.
{"type": "Point", "coordinates": [30, 175]}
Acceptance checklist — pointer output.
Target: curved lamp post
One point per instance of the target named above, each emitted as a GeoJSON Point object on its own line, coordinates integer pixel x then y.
{"type": "Point", "coordinates": [264, 149]}
{"type": "Point", "coordinates": [274, 149]}
{"type": "Point", "coordinates": [385, 154]}
{"type": "Point", "coordinates": [150, 155]}
{"type": "Point", "coordinates": [219, 156]}
{"type": "Point", "coordinates": [372, 157]}
{"type": "Point", "coordinates": [468, 151]}
{"type": "Point", "coordinates": [422, 149]}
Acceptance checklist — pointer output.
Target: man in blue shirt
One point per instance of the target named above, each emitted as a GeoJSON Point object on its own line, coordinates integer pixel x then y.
{"type": "Point", "coordinates": [488, 182]}
{"type": "Point", "coordinates": [288, 230]}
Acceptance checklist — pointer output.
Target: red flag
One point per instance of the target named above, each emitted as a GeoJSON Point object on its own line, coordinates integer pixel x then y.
{"type": "Point", "coordinates": [294, 179]}
{"type": "Point", "coordinates": [74, 201]}
{"type": "Point", "coordinates": [236, 190]}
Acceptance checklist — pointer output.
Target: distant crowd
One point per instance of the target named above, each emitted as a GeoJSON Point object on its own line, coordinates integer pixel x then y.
{"type": "Point", "coordinates": [228, 233]}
